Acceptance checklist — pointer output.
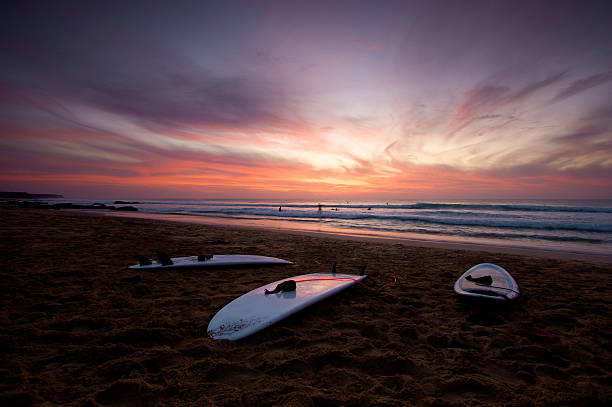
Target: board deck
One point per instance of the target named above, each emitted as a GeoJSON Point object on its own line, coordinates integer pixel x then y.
{"type": "Point", "coordinates": [502, 288]}
{"type": "Point", "coordinates": [217, 260]}
{"type": "Point", "coordinates": [255, 310]}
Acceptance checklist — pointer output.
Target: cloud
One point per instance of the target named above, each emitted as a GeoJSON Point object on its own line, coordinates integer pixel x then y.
{"type": "Point", "coordinates": [131, 61]}
{"type": "Point", "coordinates": [480, 98]}
{"type": "Point", "coordinates": [488, 97]}
{"type": "Point", "coordinates": [489, 107]}
{"type": "Point", "coordinates": [175, 100]}
{"type": "Point", "coordinates": [498, 126]}
{"type": "Point", "coordinates": [584, 135]}
{"type": "Point", "coordinates": [534, 87]}
{"type": "Point", "coordinates": [493, 120]}
{"type": "Point", "coordinates": [582, 85]}
{"type": "Point", "coordinates": [368, 46]}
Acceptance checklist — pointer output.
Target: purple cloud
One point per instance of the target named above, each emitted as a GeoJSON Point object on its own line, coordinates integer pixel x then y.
{"type": "Point", "coordinates": [582, 85]}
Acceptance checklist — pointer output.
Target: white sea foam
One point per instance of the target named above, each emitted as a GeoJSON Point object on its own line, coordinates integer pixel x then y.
{"type": "Point", "coordinates": [559, 225]}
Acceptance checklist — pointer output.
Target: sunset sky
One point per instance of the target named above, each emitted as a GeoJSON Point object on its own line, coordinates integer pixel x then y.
{"type": "Point", "coordinates": [307, 99]}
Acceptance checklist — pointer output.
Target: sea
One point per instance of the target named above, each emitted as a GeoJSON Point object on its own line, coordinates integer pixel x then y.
{"type": "Point", "coordinates": [573, 226]}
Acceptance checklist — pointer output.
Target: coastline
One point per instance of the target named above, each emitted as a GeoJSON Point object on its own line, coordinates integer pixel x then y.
{"type": "Point", "coordinates": [344, 234]}
{"type": "Point", "coordinates": [78, 328]}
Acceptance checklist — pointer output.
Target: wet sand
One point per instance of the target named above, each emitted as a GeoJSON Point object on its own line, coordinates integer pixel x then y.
{"type": "Point", "coordinates": [77, 328]}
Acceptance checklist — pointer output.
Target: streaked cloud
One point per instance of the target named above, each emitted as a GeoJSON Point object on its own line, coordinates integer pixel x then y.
{"type": "Point", "coordinates": [581, 85]}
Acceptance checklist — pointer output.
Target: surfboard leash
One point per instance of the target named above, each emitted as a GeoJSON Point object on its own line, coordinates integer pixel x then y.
{"type": "Point", "coordinates": [348, 278]}
{"type": "Point", "coordinates": [332, 279]}
{"type": "Point", "coordinates": [389, 284]}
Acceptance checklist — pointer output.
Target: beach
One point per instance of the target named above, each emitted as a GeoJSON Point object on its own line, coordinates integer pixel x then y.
{"type": "Point", "coordinates": [79, 329]}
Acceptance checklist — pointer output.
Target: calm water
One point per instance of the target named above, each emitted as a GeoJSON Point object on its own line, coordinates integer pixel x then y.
{"type": "Point", "coordinates": [571, 226]}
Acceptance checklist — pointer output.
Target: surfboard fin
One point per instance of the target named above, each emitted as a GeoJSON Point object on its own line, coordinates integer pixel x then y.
{"type": "Point", "coordinates": [484, 280]}
{"type": "Point", "coordinates": [164, 259]}
{"type": "Point", "coordinates": [334, 268]}
{"type": "Point", "coordinates": [285, 286]}
{"type": "Point", "coordinates": [363, 269]}
{"type": "Point", "coordinates": [143, 261]}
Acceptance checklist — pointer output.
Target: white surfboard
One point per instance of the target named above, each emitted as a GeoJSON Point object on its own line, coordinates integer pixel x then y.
{"type": "Point", "coordinates": [217, 260]}
{"type": "Point", "coordinates": [501, 286]}
{"type": "Point", "coordinates": [255, 310]}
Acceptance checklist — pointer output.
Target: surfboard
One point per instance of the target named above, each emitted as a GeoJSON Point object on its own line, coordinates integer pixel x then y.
{"type": "Point", "coordinates": [476, 283]}
{"type": "Point", "coordinates": [217, 260]}
{"type": "Point", "coordinates": [255, 310]}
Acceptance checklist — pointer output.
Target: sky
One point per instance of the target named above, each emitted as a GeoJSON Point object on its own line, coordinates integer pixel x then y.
{"type": "Point", "coordinates": [307, 99]}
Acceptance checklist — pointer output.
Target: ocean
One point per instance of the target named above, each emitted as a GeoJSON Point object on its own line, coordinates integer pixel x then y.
{"type": "Point", "coordinates": [567, 226]}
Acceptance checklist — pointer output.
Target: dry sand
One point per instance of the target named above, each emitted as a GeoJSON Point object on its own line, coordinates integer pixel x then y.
{"type": "Point", "coordinates": [77, 328]}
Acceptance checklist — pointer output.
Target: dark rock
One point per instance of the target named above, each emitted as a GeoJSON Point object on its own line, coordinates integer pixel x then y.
{"type": "Point", "coordinates": [125, 208]}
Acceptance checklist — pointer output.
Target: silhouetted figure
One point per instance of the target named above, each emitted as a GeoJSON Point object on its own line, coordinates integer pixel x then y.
{"type": "Point", "coordinates": [279, 208]}
{"type": "Point", "coordinates": [320, 208]}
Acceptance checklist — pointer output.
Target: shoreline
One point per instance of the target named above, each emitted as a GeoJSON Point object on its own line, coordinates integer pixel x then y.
{"type": "Point", "coordinates": [408, 241]}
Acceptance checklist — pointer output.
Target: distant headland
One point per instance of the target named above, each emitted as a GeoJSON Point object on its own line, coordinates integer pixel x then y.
{"type": "Point", "coordinates": [26, 195]}
{"type": "Point", "coordinates": [27, 200]}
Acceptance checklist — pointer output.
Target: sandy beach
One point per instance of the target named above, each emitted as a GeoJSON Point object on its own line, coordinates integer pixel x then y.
{"type": "Point", "coordinates": [78, 329]}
